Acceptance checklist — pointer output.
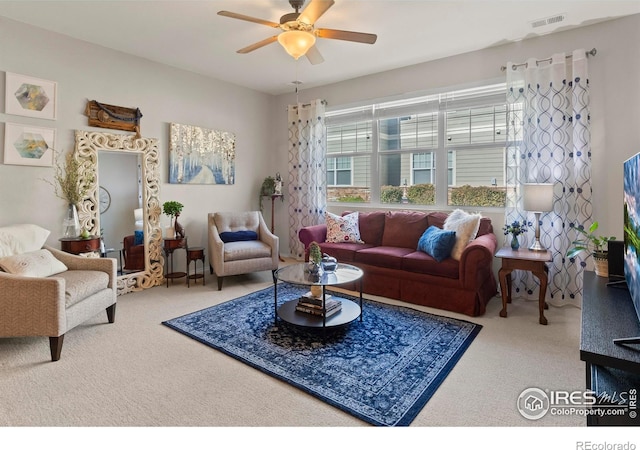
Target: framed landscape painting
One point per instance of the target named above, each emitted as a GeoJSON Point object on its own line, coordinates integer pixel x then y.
{"type": "Point", "coordinates": [28, 146]}
{"type": "Point", "coordinates": [29, 96]}
{"type": "Point", "coordinates": [201, 156]}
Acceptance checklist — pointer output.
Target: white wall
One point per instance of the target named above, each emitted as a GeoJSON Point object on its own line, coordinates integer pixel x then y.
{"type": "Point", "coordinates": [615, 99]}
{"type": "Point", "coordinates": [163, 94]}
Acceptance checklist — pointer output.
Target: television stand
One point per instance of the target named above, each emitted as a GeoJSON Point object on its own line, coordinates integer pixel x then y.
{"type": "Point", "coordinates": [611, 369]}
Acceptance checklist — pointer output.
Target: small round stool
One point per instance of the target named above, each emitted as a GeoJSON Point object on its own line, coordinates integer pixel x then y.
{"type": "Point", "coordinates": [195, 254]}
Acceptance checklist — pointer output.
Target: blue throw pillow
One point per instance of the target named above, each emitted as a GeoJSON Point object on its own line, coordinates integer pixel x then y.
{"type": "Point", "coordinates": [437, 242]}
{"type": "Point", "coordinates": [235, 236]}
{"type": "Point", "coordinates": [138, 237]}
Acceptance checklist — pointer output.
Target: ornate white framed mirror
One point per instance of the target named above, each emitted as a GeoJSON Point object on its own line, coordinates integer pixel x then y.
{"type": "Point", "coordinates": [88, 145]}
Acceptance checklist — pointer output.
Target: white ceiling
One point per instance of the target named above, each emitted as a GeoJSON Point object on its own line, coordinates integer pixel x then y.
{"type": "Point", "coordinates": [190, 35]}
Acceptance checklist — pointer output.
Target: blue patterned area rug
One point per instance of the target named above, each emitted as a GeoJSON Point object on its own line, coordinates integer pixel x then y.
{"type": "Point", "coordinates": [382, 370]}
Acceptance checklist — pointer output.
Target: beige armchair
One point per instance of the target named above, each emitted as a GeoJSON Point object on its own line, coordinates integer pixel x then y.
{"type": "Point", "coordinates": [250, 246]}
{"type": "Point", "coordinates": [33, 304]}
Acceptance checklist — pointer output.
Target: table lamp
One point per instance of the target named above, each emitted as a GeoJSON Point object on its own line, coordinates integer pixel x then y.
{"type": "Point", "coordinates": [537, 198]}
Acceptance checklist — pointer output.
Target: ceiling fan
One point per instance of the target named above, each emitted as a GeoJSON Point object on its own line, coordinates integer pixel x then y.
{"type": "Point", "coordinates": [298, 34]}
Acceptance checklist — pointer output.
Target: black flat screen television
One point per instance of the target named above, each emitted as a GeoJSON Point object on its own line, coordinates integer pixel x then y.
{"type": "Point", "coordinates": [631, 179]}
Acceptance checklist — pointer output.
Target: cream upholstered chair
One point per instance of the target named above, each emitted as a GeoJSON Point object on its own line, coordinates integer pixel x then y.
{"type": "Point", "coordinates": [47, 292]}
{"type": "Point", "coordinates": [240, 242]}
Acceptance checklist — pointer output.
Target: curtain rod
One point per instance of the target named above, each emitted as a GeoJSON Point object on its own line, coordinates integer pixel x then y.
{"type": "Point", "coordinates": [591, 52]}
{"type": "Point", "coordinates": [324, 102]}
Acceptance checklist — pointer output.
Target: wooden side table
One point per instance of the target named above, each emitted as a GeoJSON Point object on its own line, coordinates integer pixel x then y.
{"type": "Point", "coordinates": [170, 245]}
{"type": "Point", "coordinates": [523, 259]}
{"type": "Point", "coordinates": [195, 254]}
{"type": "Point", "coordinates": [79, 245]}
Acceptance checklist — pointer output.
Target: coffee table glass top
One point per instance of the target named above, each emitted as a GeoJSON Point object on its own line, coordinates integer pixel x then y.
{"type": "Point", "coordinates": [296, 274]}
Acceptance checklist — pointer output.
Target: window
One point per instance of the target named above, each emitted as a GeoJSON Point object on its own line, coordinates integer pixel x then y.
{"type": "Point", "coordinates": [339, 171]}
{"type": "Point", "coordinates": [442, 149]}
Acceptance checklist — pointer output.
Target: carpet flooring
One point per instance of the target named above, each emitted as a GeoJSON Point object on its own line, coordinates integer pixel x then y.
{"type": "Point", "coordinates": [383, 369]}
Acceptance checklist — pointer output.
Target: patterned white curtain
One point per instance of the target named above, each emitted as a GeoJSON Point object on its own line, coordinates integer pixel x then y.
{"type": "Point", "coordinates": [307, 172]}
{"type": "Point", "coordinates": [548, 141]}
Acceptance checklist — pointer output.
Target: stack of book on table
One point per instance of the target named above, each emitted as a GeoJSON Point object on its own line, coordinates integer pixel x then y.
{"type": "Point", "coordinates": [313, 305]}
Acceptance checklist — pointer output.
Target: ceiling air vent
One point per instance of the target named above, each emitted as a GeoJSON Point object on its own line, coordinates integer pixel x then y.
{"type": "Point", "coordinates": [548, 21]}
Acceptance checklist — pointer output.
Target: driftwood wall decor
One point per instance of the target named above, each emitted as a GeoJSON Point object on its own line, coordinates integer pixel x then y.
{"type": "Point", "coordinates": [114, 117]}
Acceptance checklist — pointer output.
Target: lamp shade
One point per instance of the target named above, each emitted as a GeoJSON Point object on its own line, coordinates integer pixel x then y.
{"type": "Point", "coordinates": [537, 197]}
{"type": "Point", "coordinates": [296, 42]}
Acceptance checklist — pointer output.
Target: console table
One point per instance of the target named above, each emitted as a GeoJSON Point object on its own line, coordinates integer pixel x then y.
{"type": "Point", "coordinates": [79, 245]}
{"type": "Point", "coordinates": [608, 314]}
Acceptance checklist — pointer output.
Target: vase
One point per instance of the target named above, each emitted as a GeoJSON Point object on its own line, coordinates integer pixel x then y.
{"type": "Point", "coordinates": [515, 244]}
{"type": "Point", "coordinates": [71, 224]}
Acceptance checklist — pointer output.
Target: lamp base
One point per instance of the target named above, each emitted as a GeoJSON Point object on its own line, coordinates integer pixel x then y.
{"type": "Point", "coordinates": [537, 247]}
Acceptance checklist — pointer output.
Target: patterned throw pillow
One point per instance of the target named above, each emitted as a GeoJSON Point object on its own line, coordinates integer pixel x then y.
{"type": "Point", "coordinates": [40, 263]}
{"type": "Point", "coordinates": [466, 227]}
{"type": "Point", "coordinates": [343, 229]}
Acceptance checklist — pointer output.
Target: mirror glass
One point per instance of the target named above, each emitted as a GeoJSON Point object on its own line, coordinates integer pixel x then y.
{"type": "Point", "coordinates": [138, 157]}
{"type": "Point", "coordinates": [119, 196]}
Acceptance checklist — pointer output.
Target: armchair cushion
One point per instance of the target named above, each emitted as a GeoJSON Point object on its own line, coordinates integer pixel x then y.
{"type": "Point", "coordinates": [138, 237]}
{"type": "Point", "coordinates": [16, 239]}
{"type": "Point", "coordinates": [40, 263]}
{"type": "Point", "coordinates": [237, 236]}
{"type": "Point", "coordinates": [80, 284]}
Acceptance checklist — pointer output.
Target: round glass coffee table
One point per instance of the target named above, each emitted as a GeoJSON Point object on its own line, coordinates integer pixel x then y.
{"type": "Point", "coordinates": [296, 274]}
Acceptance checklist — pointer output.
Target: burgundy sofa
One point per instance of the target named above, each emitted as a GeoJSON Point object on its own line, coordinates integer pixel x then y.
{"type": "Point", "coordinates": [394, 268]}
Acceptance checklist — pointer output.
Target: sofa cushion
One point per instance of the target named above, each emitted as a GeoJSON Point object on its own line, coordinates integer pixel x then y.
{"type": "Point", "coordinates": [344, 252]}
{"type": "Point", "coordinates": [235, 236]}
{"type": "Point", "coordinates": [80, 284]}
{"type": "Point", "coordinates": [371, 225]}
{"type": "Point", "coordinates": [342, 229]}
{"type": "Point", "coordinates": [40, 263]}
{"type": "Point", "coordinates": [420, 262]}
{"type": "Point", "coordinates": [437, 243]}
{"type": "Point", "coordinates": [466, 227]}
{"type": "Point", "coordinates": [16, 239]}
{"type": "Point", "coordinates": [403, 228]}
{"type": "Point", "coordinates": [388, 257]}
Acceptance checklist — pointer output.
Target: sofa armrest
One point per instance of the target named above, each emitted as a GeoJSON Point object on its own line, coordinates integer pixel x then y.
{"type": "Point", "coordinates": [312, 233]}
{"type": "Point", "coordinates": [216, 248]}
{"type": "Point", "coordinates": [271, 240]}
{"type": "Point", "coordinates": [477, 259]}
{"type": "Point", "coordinates": [37, 303]}
{"type": "Point", "coordinates": [75, 262]}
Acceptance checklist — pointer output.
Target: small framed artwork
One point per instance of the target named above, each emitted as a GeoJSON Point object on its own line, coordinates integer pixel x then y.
{"type": "Point", "coordinates": [29, 146]}
{"type": "Point", "coordinates": [31, 97]}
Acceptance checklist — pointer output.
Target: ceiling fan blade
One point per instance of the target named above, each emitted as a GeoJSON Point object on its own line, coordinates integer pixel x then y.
{"type": "Point", "coordinates": [354, 36]}
{"type": "Point", "coordinates": [248, 19]}
{"type": "Point", "coordinates": [257, 45]}
{"type": "Point", "coordinates": [314, 56]}
{"type": "Point", "coordinates": [314, 10]}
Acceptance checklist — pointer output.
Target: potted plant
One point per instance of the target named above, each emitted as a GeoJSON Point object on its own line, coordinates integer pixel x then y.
{"type": "Point", "coordinates": [315, 259]}
{"type": "Point", "coordinates": [598, 246]}
{"type": "Point", "coordinates": [173, 209]}
{"type": "Point", "coordinates": [267, 189]}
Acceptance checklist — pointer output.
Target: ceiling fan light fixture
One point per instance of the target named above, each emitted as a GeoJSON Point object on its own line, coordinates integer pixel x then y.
{"type": "Point", "coordinates": [296, 42]}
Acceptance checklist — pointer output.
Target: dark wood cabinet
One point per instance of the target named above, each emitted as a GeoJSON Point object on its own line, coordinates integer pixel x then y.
{"type": "Point", "coordinates": [612, 371]}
